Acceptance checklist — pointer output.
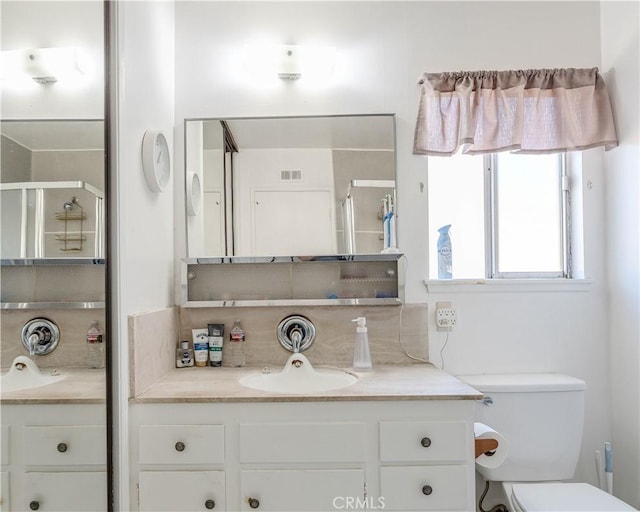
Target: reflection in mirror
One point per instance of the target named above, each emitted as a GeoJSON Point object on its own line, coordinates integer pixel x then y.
{"type": "Point", "coordinates": [291, 186]}
{"type": "Point", "coordinates": [51, 181]}
{"type": "Point", "coordinates": [53, 267]}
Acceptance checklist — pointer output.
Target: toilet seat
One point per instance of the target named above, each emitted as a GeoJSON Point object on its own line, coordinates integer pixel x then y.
{"type": "Point", "coordinates": [565, 497]}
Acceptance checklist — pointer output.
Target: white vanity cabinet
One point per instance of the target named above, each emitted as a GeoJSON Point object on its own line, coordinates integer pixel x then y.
{"type": "Point", "coordinates": [55, 457]}
{"type": "Point", "coordinates": [304, 456]}
{"type": "Point", "coordinates": [438, 482]}
{"type": "Point", "coordinates": [186, 447]}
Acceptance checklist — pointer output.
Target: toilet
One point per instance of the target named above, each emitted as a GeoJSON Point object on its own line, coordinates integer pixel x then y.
{"type": "Point", "coordinates": [541, 416]}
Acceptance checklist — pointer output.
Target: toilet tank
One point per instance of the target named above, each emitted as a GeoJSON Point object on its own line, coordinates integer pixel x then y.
{"type": "Point", "coordinates": [540, 415]}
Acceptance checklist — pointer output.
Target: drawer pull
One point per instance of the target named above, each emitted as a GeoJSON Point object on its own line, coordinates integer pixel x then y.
{"type": "Point", "coordinates": [427, 490]}
{"type": "Point", "coordinates": [34, 505]}
{"type": "Point", "coordinates": [209, 504]}
{"type": "Point", "coordinates": [62, 447]}
{"type": "Point", "coordinates": [180, 446]}
{"type": "Point", "coordinates": [426, 442]}
{"type": "Point", "coordinates": [254, 503]}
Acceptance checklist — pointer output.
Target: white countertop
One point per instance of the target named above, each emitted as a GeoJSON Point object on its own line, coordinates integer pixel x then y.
{"type": "Point", "coordinates": [384, 382]}
{"type": "Point", "coordinates": [80, 386]}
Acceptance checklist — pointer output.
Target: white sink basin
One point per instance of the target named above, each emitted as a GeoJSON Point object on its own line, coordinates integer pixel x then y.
{"type": "Point", "coordinates": [299, 377]}
{"type": "Point", "coordinates": [25, 374]}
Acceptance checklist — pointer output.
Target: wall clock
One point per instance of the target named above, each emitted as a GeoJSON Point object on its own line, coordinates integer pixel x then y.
{"type": "Point", "coordinates": [194, 194]}
{"type": "Point", "coordinates": [156, 160]}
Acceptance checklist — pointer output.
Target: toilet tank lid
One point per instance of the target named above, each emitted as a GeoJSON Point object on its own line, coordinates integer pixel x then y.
{"type": "Point", "coordinates": [523, 382]}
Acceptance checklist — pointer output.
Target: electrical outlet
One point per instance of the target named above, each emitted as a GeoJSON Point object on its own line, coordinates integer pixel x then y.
{"type": "Point", "coordinates": [446, 316]}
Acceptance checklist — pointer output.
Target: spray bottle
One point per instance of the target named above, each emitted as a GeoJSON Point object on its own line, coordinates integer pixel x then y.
{"type": "Point", "coordinates": [444, 253]}
{"type": "Point", "coordinates": [361, 354]}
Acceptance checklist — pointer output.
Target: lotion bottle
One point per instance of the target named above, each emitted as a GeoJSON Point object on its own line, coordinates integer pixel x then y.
{"type": "Point", "coordinates": [361, 354]}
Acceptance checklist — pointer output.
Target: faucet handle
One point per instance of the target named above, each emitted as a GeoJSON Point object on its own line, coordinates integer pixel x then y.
{"type": "Point", "coordinates": [40, 336]}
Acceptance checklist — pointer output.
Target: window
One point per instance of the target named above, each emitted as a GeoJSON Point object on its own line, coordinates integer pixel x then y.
{"type": "Point", "coordinates": [508, 214]}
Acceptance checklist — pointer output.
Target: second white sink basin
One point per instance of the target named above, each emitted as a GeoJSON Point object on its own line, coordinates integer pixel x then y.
{"type": "Point", "coordinates": [299, 377]}
{"type": "Point", "coordinates": [25, 374]}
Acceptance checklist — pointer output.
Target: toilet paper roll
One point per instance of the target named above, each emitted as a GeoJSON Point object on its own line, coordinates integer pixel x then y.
{"type": "Point", "coordinates": [482, 431]}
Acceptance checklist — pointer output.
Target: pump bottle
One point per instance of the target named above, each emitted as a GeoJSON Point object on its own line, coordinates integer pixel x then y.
{"type": "Point", "coordinates": [361, 354]}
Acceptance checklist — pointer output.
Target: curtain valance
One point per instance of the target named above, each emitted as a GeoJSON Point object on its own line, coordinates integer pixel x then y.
{"type": "Point", "coordinates": [527, 111]}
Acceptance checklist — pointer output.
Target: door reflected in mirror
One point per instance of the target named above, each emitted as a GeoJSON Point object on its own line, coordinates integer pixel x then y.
{"type": "Point", "coordinates": [291, 186]}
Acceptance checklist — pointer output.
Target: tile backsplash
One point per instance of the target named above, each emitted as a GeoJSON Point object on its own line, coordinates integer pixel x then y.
{"type": "Point", "coordinates": [73, 325]}
{"type": "Point", "coordinates": [154, 336]}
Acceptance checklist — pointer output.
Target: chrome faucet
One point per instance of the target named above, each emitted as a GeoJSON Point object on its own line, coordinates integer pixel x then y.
{"type": "Point", "coordinates": [32, 342]}
{"type": "Point", "coordinates": [40, 336]}
{"type": "Point", "coordinates": [296, 339]}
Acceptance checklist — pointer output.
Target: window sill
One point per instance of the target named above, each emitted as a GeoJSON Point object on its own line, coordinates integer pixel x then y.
{"type": "Point", "coordinates": [507, 285]}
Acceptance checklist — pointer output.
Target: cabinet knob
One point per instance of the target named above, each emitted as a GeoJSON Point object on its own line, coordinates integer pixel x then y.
{"type": "Point", "coordinates": [34, 505]}
{"type": "Point", "coordinates": [254, 503]}
{"type": "Point", "coordinates": [427, 490]}
{"type": "Point", "coordinates": [209, 504]}
{"type": "Point", "coordinates": [180, 446]}
{"type": "Point", "coordinates": [62, 447]}
{"type": "Point", "coordinates": [426, 442]}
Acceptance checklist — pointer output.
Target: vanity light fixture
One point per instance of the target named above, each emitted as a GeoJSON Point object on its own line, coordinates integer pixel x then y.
{"type": "Point", "coordinates": [43, 65]}
{"type": "Point", "coordinates": [290, 62]}
{"type": "Point", "coordinates": [312, 62]}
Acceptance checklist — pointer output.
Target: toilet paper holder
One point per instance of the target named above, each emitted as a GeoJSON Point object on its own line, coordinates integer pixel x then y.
{"type": "Point", "coordinates": [485, 446]}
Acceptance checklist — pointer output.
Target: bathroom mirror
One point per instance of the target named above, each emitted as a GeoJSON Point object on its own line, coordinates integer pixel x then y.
{"type": "Point", "coordinates": [53, 266]}
{"type": "Point", "coordinates": [51, 186]}
{"type": "Point", "coordinates": [289, 186]}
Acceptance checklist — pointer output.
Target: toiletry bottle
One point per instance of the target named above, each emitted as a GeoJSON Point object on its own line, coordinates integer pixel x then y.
{"type": "Point", "coordinates": [361, 354]}
{"type": "Point", "coordinates": [200, 346]}
{"type": "Point", "coordinates": [237, 337]}
{"type": "Point", "coordinates": [216, 339]}
{"type": "Point", "coordinates": [184, 355]}
{"type": "Point", "coordinates": [444, 253]}
{"type": "Point", "coordinates": [95, 346]}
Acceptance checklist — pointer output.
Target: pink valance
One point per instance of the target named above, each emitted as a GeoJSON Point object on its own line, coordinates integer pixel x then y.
{"type": "Point", "coordinates": [528, 111]}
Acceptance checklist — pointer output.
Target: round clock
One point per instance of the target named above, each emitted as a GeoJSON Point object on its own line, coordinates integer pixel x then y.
{"type": "Point", "coordinates": [156, 160]}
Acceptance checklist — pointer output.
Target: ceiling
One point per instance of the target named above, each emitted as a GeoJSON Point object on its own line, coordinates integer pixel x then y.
{"type": "Point", "coordinates": [371, 132]}
{"type": "Point", "coordinates": [55, 135]}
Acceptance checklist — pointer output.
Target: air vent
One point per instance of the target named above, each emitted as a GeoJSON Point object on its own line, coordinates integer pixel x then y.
{"type": "Point", "coordinates": [290, 175]}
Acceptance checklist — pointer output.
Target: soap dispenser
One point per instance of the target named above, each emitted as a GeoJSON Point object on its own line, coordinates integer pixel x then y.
{"type": "Point", "coordinates": [361, 354]}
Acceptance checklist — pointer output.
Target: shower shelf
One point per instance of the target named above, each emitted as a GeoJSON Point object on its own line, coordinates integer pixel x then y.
{"type": "Point", "coordinates": [31, 234]}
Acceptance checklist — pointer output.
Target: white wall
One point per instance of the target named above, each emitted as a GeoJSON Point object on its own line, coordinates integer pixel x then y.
{"type": "Point", "coordinates": [383, 47]}
{"type": "Point", "coordinates": [50, 24]}
{"type": "Point", "coordinates": [621, 62]}
{"type": "Point", "coordinates": [144, 263]}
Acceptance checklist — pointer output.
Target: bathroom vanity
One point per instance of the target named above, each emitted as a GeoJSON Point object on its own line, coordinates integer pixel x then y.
{"type": "Point", "coordinates": [401, 438]}
{"type": "Point", "coordinates": [53, 451]}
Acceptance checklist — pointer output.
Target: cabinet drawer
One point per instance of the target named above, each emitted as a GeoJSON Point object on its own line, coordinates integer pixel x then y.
{"type": "Point", "coordinates": [424, 441]}
{"type": "Point", "coordinates": [181, 444]}
{"type": "Point", "coordinates": [424, 488]}
{"type": "Point", "coordinates": [302, 442]}
{"type": "Point", "coordinates": [64, 445]}
{"type": "Point", "coordinates": [303, 489]}
{"type": "Point", "coordinates": [84, 491]}
{"type": "Point", "coordinates": [173, 491]}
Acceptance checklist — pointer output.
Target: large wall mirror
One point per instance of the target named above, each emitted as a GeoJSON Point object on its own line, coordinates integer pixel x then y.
{"type": "Point", "coordinates": [53, 256]}
{"type": "Point", "coordinates": [290, 186]}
